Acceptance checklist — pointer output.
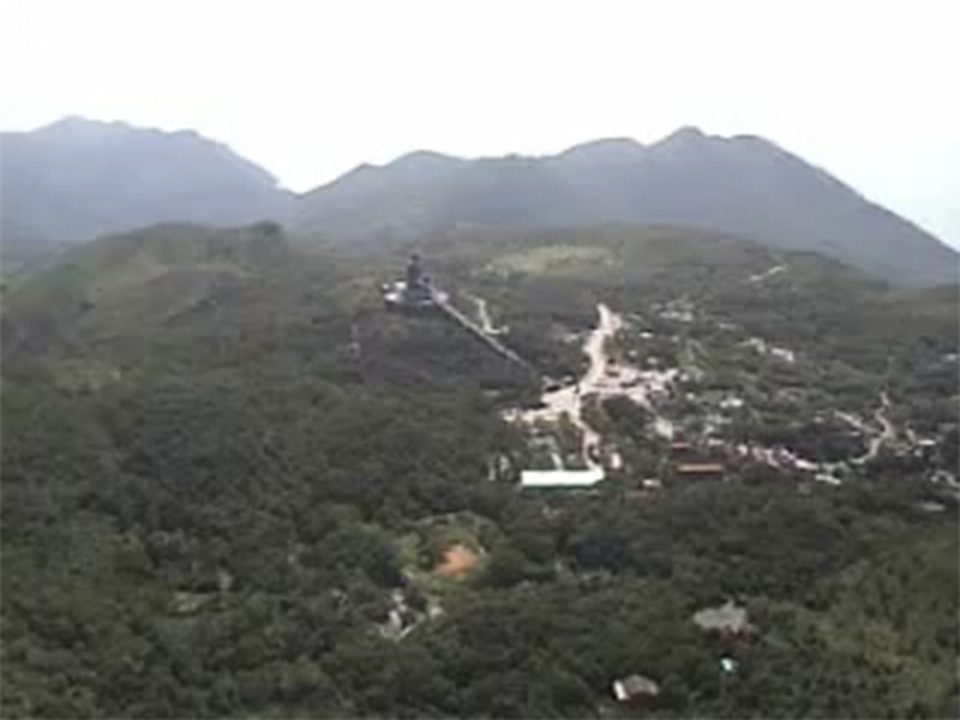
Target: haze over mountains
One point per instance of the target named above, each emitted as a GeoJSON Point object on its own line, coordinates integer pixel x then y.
{"type": "Point", "coordinates": [78, 178]}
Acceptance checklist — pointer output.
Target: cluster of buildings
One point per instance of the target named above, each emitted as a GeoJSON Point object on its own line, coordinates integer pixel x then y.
{"type": "Point", "coordinates": [707, 455]}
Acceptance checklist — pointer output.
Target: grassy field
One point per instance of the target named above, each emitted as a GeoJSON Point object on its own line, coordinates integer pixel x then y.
{"type": "Point", "coordinates": [557, 259]}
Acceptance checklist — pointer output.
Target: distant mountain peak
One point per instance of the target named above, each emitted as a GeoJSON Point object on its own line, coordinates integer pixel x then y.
{"type": "Point", "coordinates": [78, 178]}
{"type": "Point", "coordinates": [78, 126]}
{"type": "Point", "coordinates": [68, 121]}
{"type": "Point", "coordinates": [686, 135]}
{"type": "Point", "coordinates": [424, 159]}
{"type": "Point", "coordinates": [605, 150]}
{"type": "Point", "coordinates": [741, 185]}
{"type": "Point", "coordinates": [613, 143]}
{"type": "Point", "coordinates": [748, 137]}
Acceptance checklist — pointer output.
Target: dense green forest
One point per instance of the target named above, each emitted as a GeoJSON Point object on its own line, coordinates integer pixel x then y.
{"type": "Point", "coordinates": [231, 482]}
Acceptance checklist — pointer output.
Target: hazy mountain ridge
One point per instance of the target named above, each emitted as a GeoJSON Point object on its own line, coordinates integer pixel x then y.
{"type": "Point", "coordinates": [743, 185]}
{"type": "Point", "coordinates": [77, 178]}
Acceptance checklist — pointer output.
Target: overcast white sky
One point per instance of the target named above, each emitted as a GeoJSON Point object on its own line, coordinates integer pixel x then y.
{"type": "Point", "coordinates": [864, 89]}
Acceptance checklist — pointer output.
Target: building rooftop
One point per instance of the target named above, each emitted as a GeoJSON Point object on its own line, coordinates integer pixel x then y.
{"type": "Point", "coordinates": [699, 468]}
{"type": "Point", "coordinates": [634, 686]}
{"type": "Point", "coordinates": [726, 618]}
{"type": "Point", "coordinates": [561, 478]}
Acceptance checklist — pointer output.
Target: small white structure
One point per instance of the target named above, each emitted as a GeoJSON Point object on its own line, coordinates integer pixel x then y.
{"type": "Point", "coordinates": [634, 687]}
{"type": "Point", "coordinates": [727, 618]}
{"type": "Point", "coordinates": [800, 464]}
{"type": "Point", "coordinates": [731, 403]}
{"type": "Point", "coordinates": [783, 354]}
{"type": "Point", "coordinates": [828, 479]}
{"type": "Point", "coordinates": [561, 479]}
{"type": "Point", "coordinates": [663, 427]}
{"type": "Point", "coordinates": [616, 460]}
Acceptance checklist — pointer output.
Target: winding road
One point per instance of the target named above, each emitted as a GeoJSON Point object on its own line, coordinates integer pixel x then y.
{"type": "Point", "coordinates": [568, 400]}
{"type": "Point", "coordinates": [483, 316]}
{"type": "Point", "coordinates": [887, 434]}
{"type": "Point", "coordinates": [767, 273]}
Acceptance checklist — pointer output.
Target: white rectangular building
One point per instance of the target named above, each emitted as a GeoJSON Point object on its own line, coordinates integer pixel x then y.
{"type": "Point", "coordinates": [569, 479]}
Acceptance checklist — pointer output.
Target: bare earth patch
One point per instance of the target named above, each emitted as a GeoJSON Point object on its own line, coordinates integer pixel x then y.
{"type": "Point", "coordinates": [457, 560]}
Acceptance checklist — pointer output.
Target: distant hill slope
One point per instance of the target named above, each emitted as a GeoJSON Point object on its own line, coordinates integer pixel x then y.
{"type": "Point", "coordinates": [77, 178]}
{"type": "Point", "coordinates": [138, 282]}
{"type": "Point", "coordinates": [195, 295]}
{"type": "Point", "coordinates": [20, 247]}
{"type": "Point", "coordinates": [744, 185]}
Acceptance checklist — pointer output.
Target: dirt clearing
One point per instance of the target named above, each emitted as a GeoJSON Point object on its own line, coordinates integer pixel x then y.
{"type": "Point", "coordinates": [457, 560]}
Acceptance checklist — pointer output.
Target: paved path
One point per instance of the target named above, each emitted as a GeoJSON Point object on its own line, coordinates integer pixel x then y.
{"type": "Point", "coordinates": [484, 316]}
{"type": "Point", "coordinates": [444, 304]}
{"type": "Point", "coordinates": [887, 434]}
{"type": "Point", "coordinates": [569, 399]}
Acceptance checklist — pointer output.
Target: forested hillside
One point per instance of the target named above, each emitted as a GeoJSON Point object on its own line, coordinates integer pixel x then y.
{"type": "Point", "coordinates": [234, 485]}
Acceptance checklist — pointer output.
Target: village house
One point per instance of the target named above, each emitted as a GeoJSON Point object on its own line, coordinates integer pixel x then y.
{"type": "Point", "coordinates": [635, 689]}
{"type": "Point", "coordinates": [728, 619]}
{"type": "Point", "coordinates": [700, 471]}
